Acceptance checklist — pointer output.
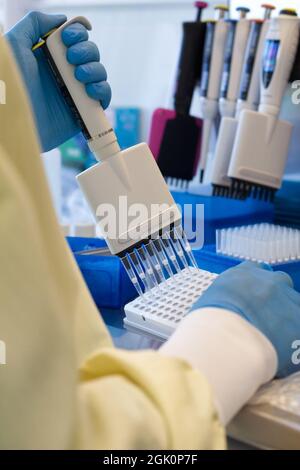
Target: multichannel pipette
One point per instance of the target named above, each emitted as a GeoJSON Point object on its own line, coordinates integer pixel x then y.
{"type": "Point", "coordinates": [212, 67]}
{"type": "Point", "coordinates": [248, 99]}
{"type": "Point", "coordinates": [262, 141]}
{"type": "Point", "coordinates": [237, 39]}
{"type": "Point", "coordinates": [143, 234]}
{"type": "Point", "coordinates": [229, 55]}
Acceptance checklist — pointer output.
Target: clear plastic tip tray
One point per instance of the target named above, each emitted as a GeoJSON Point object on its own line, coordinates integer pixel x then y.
{"type": "Point", "coordinates": [281, 394]}
{"type": "Point", "coordinates": [159, 311]}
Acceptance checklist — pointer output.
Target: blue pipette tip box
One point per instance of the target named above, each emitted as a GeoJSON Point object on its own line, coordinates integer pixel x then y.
{"type": "Point", "coordinates": [103, 273]}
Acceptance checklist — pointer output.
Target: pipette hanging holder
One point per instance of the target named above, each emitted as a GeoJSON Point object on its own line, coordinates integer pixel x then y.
{"type": "Point", "coordinates": [259, 155]}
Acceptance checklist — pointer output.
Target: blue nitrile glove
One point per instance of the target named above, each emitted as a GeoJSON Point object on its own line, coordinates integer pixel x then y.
{"type": "Point", "coordinates": [53, 117]}
{"type": "Point", "coordinates": [267, 300]}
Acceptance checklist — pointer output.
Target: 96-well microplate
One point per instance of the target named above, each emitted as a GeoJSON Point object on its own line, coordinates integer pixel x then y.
{"type": "Point", "coordinates": [159, 311]}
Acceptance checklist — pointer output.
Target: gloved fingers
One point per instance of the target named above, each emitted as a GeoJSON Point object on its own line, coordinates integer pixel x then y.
{"type": "Point", "coordinates": [93, 72]}
{"type": "Point", "coordinates": [265, 266]}
{"type": "Point", "coordinates": [248, 265]}
{"type": "Point", "coordinates": [253, 265]}
{"type": "Point", "coordinates": [41, 24]}
{"type": "Point", "coordinates": [294, 296]}
{"type": "Point", "coordinates": [278, 276]}
{"type": "Point", "coordinates": [283, 277]}
{"type": "Point", "coordinates": [82, 53]}
{"type": "Point", "coordinates": [100, 92]}
{"type": "Point", "coordinates": [74, 34]}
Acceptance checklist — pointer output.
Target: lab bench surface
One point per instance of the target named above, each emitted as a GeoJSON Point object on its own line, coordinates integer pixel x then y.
{"type": "Point", "coordinates": [125, 339]}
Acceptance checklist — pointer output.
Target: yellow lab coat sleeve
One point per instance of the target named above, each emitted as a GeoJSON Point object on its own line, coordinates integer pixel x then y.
{"type": "Point", "coordinates": [64, 385]}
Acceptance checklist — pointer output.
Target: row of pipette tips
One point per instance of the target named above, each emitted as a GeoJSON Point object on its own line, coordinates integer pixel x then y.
{"type": "Point", "coordinates": [157, 262]}
{"type": "Point", "coordinates": [177, 184]}
{"type": "Point", "coordinates": [260, 242]}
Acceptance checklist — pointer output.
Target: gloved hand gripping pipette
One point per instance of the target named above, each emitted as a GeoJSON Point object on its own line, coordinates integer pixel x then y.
{"type": "Point", "coordinates": [131, 174]}
{"type": "Point", "coordinates": [262, 141]}
{"type": "Point", "coordinates": [248, 99]}
{"type": "Point", "coordinates": [54, 120]}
